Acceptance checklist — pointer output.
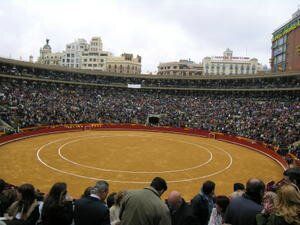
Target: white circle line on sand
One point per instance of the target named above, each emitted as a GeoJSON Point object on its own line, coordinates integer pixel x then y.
{"type": "Point", "coordinates": [130, 182]}
{"type": "Point", "coordinates": [136, 172]}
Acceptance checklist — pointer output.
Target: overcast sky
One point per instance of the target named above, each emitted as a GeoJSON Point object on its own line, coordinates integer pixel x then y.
{"type": "Point", "coordinates": [158, 30]}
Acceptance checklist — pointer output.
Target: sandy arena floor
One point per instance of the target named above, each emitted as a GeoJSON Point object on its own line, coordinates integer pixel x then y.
{"type": "Point", "coordinates": [130, 159]}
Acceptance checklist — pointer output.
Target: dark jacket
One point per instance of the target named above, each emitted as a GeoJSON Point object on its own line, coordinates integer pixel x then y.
{"type": "Point", "coordinates": [58, 214]}
{"type": "Point", "coordinates": [91, 211]}
{"type": "Point", "coordinates": [242, 211]}
{"type": "Point", "coordinates": [183, 216]}
{"type": "Point", "coordinates": [31, 220]}
{"type": "Point", "coordinates": [4, 204]}
{"type": "Point", "coordinates": [200, 209]}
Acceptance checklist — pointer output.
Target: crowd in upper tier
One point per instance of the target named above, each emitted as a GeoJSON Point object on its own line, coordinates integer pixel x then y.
{"type": "Point", "coordinates": [260, 82]}
{"type": "Point", "coordinates": [268, 117]}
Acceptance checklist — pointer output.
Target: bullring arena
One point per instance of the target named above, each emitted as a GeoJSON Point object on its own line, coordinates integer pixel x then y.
{"type": "Point", "coordinates": [130, 156]}
{"type": "Point", "coordinates": [78, 127]}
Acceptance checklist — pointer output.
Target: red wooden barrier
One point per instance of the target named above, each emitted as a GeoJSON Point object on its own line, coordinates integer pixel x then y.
{"type": "Point", "coordinates": [251, 144]}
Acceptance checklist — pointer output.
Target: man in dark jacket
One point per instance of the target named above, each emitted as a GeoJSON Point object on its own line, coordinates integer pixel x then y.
{"type": "Point", "coordinates": [203, 203]}
{"type": "Point", "coordinates": [4, 202]}
{"type": "Point", "coordinates": [242, 210]}
{"type": "Point", "coordinates": [181, 212]}
{"type": "Point", "coordinates": [92, 210]}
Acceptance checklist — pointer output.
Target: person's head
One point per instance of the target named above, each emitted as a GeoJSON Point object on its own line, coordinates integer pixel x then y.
{"type": "Point", "coordinates": [269, 201]}
{"type": "Point", "coordinates": [111, 199]}
{"type": "Point", "coordinates": [101, 189]}
{"type": "Point", "coordinates": [238, 187]}
{"type": "Point", "coordinates": [288, 203]}
{"type": "Point", "coordinates": [174, 200]}
{"type": "Point", "coordinates": [119, 196]}
{"type": "Point", "coordinates": [11, 195]}
{"type": "Point", "coordinates": [208, 188]}
{"type": "Point", "coordinates": [27, 192]}
{"type": "Point", "coordinates": [159, 184]}
{"type": "Point", "coordinates": [222, 202]}
{"type": "Point", "coordinates": [58, 192]}
{"type": "Point", "coordinates": [255, 189]}
{"type": "Point", "coordinates": [27, 197]}
{"type": "Point", "coordinates": [2, 185]}
{"type": "Point", "coordinates": [87, 192]}
{"type": "Point", "coordinates": [293, 175]}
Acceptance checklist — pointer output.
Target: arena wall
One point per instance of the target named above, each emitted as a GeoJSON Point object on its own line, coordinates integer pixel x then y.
{"type": "Point", "coordinates": [245, 142]}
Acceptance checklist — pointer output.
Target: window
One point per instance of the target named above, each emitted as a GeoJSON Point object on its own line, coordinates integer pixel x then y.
{"type": "Point", "coordinates": [279, 58]}
{"type": "Point", "coordinates": [280, 41]}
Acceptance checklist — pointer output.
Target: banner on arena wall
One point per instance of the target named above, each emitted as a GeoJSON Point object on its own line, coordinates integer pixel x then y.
{"type": "Point", "coordinates": [133, 85]}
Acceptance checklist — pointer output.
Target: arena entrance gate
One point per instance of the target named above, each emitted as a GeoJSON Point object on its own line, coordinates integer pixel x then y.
{"type": "Point", "coordinates": [153, 120]}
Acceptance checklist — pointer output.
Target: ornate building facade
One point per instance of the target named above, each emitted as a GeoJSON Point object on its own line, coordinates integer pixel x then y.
{"type": "Point", "coordinates": [181, 68]}
{"type": "Point", "coordinates": [230, 65]}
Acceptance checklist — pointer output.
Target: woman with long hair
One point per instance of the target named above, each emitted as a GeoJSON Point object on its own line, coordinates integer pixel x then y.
{"type": "Point", "coordinates": [26, 209]}
{"type": "Point", "coordinates": [217, 215]}
{"type": "Point", "coordinates": [57, 208]}
{"type": "Point", "coordinates": [269, 202]}
{"type": "Point", "coordinates": [115, 209]}
{"type": "Point", "coordinates": [287, 209]}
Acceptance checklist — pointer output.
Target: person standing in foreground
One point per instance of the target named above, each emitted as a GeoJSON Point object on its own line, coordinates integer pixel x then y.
{"type": "Point", "coordinates": [287, 209]}
{"type": "Point", "coordinates": [144, 207]}
{"type": "Point", "coordinates": [243, 210]}
{"type": "Point", "coordinates": [203, 203]}
{"type": "Point", "coordinates": [92, 210]}
{"type": "Point", "coordinates": [181, 212]}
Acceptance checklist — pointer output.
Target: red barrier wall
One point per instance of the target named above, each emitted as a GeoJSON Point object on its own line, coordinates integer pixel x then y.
{"type": "Point", "coordinates": [251, 144]}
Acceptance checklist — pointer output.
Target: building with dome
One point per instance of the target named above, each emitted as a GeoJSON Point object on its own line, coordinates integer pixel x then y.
{"type": "Point", "coordinates": [47, 57]}
{"type": "Point", "coordinates": [230, 65]}
{"type": "Point", "coordinates": [90, 56]}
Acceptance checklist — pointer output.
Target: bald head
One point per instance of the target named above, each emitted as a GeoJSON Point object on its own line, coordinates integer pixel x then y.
{"type": "Point", "coordinates": [255, 189]}
{"type": "Point", "coordinates": [175, 199]}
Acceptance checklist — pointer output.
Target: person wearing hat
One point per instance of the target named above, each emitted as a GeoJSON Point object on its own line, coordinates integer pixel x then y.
{"type": "Point", "coordinates": [292, 175]}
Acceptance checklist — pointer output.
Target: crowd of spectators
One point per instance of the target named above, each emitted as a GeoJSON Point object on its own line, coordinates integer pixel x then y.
{"type": "Point", "coordinates": [269, 117]}
{"type": "Point", "coordinates": [151, 81]}
{"type": "Point", "coordinates": [257, 204]}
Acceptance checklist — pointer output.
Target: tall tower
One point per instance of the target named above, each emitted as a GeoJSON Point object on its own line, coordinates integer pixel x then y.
{"type": "Point", "coordinates": [46, 49]}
